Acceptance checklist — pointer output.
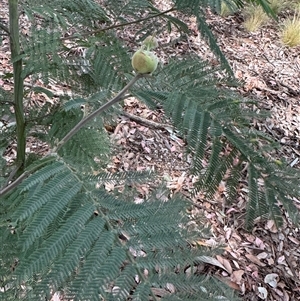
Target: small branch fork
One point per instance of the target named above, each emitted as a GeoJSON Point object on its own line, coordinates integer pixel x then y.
{"type": "Point", "coordinates": [72, 132]}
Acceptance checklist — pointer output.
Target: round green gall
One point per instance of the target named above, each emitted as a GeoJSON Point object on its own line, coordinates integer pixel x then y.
{"type": "Point", "coordinates": [150, 42]}
{"type": "Point", "coordinates": [144, 62]}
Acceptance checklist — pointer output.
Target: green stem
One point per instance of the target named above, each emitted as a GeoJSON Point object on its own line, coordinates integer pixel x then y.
{"type": "Point", "coordinates": [88, 118]}
{"type": "Point", "coordinates": [18, 83]}
{"type": "Point", "coordinates": [82, 123]}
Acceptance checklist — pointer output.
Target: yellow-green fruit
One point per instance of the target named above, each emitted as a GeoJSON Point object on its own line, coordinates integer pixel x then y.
{"type": "Point", "coordinates": [144, 61]}
{"type": "Point", "coordinates": [150, 42]}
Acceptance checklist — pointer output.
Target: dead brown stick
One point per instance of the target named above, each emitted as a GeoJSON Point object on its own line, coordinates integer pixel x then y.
{"type": "Point", "coordinates": [149, 123]}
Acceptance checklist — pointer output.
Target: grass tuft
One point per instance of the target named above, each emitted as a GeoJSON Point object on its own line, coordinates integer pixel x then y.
{"type": "Point", "coordinates": [297, 7]}
{"type": "Point", "coordinates": [225, 10]}
{"type": "Point", "coordinates": [255, 17]}
{"type": "Point", "coordinates": [279, 5]}
{"type": "Point", "coordinates": [290, 34]}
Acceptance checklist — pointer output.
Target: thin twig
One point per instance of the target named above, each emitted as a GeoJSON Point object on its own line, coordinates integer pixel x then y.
{"type": "Point", "coordinates": [28, 121]}
{"type": "Point", "coordinates": [54, 93]}
{"type": "Point", "coordinates": [14, 184]}
{"type": "Point", "coordinates": [4, 28]}
{"type": "Point", "coordinates": [7, 102]}
{"type": "Point", "coordinates": [118, 25]}
{"type": "Point", "coordinates": [149, 123]}
{"type": "Point", "coordinates": [12, 174]}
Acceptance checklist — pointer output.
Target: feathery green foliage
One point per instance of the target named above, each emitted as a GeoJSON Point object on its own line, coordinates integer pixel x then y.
{"type": "Point", "coordinates": [60, 230]}
{"type": "Point", "coordinates": [216, 121]}
{"type": "Point", "coordinates": [91, 244]}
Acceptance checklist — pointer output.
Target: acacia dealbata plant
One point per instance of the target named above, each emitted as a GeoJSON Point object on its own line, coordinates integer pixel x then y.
{"type": "Point", "coordinates": [61, 231]}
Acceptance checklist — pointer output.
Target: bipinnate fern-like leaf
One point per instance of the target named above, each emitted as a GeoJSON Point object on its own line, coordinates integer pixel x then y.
{"type": "Point", "coordinates": [65, 13]}
{"type": "Point", "coordinates": [41, 195]}
{"type": "Point", "coordinates": [62, 269]}
{"type": "Point", "coordinates": [264, 176]}
{"type": "Point", "coordinates": [52, 168]}
{"type": "Point", "coordinates": [89, 148]}
{"type": "Point", "coordinates": [103, 246]}
{"type": "Point", "coordinates": [215, 124]}
{"type": "Point", "coordinates": [48, 214]}
{"type": "Point", "coordinates": [42, 257]}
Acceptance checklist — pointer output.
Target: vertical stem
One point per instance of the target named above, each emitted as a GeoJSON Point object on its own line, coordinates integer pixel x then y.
{"type": "Point", "coordinates": [18, 83]}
